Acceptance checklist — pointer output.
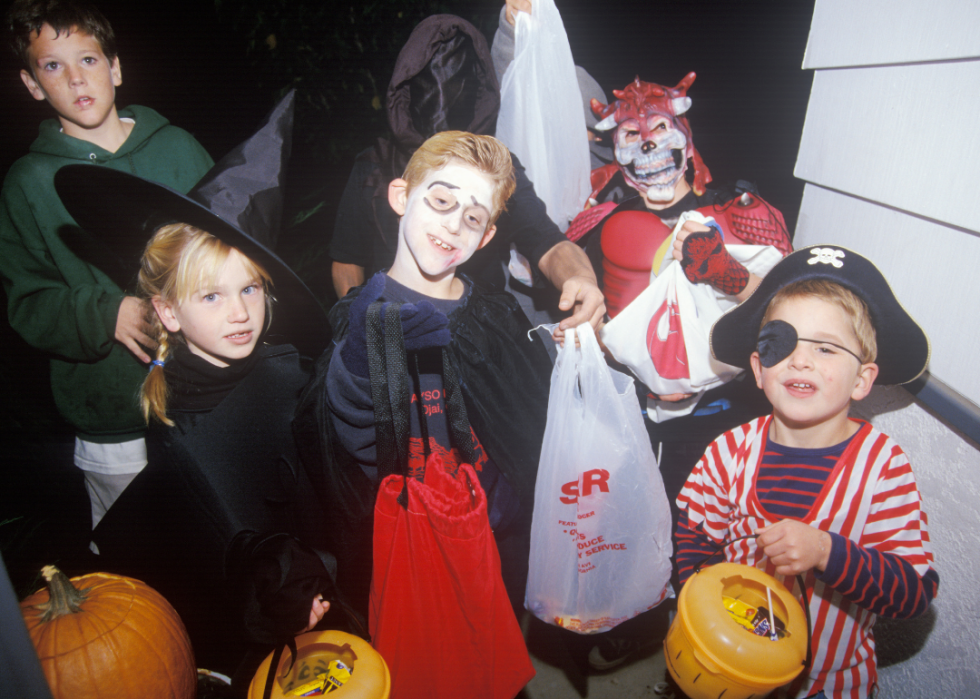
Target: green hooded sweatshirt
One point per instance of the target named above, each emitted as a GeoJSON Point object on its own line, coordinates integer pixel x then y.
{"type": "Point", "coordinates": [64, 306]}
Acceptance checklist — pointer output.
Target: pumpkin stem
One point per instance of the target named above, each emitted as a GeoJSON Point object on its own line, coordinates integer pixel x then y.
{"type": "Point", "coordinates": [64, 598]}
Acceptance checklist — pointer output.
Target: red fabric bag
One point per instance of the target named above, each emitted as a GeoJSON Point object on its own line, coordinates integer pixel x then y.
{"type": "Point", "coordinates": [439, 613]}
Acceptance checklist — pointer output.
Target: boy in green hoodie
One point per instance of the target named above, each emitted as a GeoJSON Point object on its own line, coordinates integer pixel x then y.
{"type": "Point", "coordinates": [92, 331]}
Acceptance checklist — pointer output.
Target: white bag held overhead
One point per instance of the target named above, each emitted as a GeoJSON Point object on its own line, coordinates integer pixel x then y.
{"type": "Point", "coordinates": [663, 335]}
{"type": "Point", "coordinates": [600, 538]}
{"type": "Point", "coordinates": [541, 116]}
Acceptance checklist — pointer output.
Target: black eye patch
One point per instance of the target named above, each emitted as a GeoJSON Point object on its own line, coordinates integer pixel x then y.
{"type": "Point", "coordinates": [777, 340]}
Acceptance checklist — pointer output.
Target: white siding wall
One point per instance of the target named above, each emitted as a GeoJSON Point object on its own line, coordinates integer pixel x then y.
{"type": "Point", "coordinates": [882, 32]}
{"type": "Point", "coordinates": [891, 155]}
{"type": "Point", "coordinates": [937, 655]}
{"type": "Point", "coordinates": [940, 290]}
{"type": "Point", "coordinates": [903, 136]}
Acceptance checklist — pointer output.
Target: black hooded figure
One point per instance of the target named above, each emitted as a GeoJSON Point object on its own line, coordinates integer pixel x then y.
{"type": "Point", "coordinates": [443, 80]}
{"type": "Point", "coordinates": [223, 520]}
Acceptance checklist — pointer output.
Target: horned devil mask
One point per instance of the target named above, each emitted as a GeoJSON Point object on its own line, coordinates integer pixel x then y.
{"type": "Point", "coordinates": [652, 139]}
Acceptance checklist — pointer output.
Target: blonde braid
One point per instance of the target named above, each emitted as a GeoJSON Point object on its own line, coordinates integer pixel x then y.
{"type": "Point", "coordinates": [153, 395]}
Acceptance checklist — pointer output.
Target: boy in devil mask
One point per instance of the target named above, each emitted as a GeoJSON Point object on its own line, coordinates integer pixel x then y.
{"type": "Point", "coordinates": [654, 153]}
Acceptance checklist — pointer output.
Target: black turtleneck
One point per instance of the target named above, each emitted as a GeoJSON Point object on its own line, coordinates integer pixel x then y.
{"type": "Point", "coordinates": [196, 385]}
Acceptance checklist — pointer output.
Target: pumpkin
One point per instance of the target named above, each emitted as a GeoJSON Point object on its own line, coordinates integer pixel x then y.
{"type": "Point", "coordinates": [104, 635]}
{"type": "Point", "coordinates": [369, 673]}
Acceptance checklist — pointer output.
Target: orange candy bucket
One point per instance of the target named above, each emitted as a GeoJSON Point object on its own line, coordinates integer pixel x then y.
{"type": "Point", "coordinates": [711, 652]}
{"type": "Point", "coordinates": [314, 650]}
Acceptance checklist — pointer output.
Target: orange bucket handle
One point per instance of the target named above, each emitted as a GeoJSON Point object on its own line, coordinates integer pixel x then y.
{"type": "Point", "coordinates": [276, 656]}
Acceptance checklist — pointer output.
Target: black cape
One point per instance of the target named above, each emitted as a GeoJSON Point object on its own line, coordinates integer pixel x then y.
{"type": "Point", "coordinates": [223, 521]}
{"type": "Point", "coordinates": [505, 380]}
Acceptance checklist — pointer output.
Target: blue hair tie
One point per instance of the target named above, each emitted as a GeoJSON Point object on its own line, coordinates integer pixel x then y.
{"type": "Point", "coordinates": [156, 362]}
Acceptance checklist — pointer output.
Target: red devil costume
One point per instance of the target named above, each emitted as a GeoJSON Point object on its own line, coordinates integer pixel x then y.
{"type": "Point", "coordinates": [653, 146]}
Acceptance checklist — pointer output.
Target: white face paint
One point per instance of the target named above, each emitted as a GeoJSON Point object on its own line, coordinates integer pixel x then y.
{"type": "Point", "coordinates": [653, 156]}
{"type": "Point", "coordinates": [445, 219]}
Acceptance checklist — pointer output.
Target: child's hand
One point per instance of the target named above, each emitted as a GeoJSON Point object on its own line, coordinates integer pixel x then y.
{"type": "Point", "coordinates": [686, 230]}
{"type": "Point", "coordinates": [705, 259]}
{"type": "Point", "coordinates": [319, 608]}
{"type": "Point", "coordinates": [515, 6]}
{"type": "Point", "coordinates": [672, 397]}
{"type": "Point", "coordinates": [132, 328]}
{"type": "Point", "coordinates": [423, 326]}
{"type": "Point", "coordinates": [794, 547]}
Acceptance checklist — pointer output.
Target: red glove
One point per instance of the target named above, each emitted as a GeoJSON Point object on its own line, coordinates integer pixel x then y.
{"type": "Point", "coordinates": [705, 259]}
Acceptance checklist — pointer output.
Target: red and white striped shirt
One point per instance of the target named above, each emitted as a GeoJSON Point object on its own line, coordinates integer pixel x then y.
{"type": "Point", "coordinates": [870, 498]}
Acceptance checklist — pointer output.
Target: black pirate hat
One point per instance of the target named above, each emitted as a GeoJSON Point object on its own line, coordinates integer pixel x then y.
{"type": "Point", "coordinates": [238, 201]}
{"type": "Point", "coordinates": [903, 348]}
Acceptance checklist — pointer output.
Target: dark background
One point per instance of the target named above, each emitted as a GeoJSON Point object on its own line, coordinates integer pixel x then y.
{"type": "Point", "coordinates": [208, 69]}
{"type": "Point", "coordinates": [213, 70]}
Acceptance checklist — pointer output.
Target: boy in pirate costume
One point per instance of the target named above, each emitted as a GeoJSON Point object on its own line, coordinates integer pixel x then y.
{"type": "Point", "coordinates": [655, 157]}
{"type": "Point", "coordinates": [808, 490]}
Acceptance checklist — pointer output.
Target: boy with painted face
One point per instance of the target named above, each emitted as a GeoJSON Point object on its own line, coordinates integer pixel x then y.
{"type": "Point", "coordinates": [444, 80]}
{"type": "Point", "coordinates": [452, 191]}
{"type": "Point", "coordinates": [446, 217]}
{"type": "Point", "coordinates": [815, 492]}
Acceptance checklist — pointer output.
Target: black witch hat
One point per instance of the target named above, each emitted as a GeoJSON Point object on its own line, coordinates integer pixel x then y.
{"type": "Point", "coordinates": [239, 201]}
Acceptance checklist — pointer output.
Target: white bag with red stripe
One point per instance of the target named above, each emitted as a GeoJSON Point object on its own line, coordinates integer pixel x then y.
{"type": "Point", "coordinates": [663, 335]}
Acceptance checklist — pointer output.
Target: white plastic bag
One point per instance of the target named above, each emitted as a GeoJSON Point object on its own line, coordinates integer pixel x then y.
{"type": "Point", "coordinates": [663, 334]}
{"type": "Point", "coordinates": [541, 116]}
{"type": "Point", "coordinates": [600, 538]}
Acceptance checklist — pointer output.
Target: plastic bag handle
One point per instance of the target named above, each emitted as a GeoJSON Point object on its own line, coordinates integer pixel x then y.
{"type": "Point", "coordinates": [588, 343]}
{"type": "Point", "coordinates": [570, 336]}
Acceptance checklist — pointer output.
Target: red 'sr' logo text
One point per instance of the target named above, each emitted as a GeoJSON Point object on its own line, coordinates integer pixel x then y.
{"type": "Point", "coordinates": [596, 478]}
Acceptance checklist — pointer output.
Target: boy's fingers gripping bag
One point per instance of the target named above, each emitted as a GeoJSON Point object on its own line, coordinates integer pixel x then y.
{"type": "Point", "coordinates": [600, 538]}
{"type": "Point", "coordinates": [663, 335]}
{"type": "Point", "coordinates": [541, 119]}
